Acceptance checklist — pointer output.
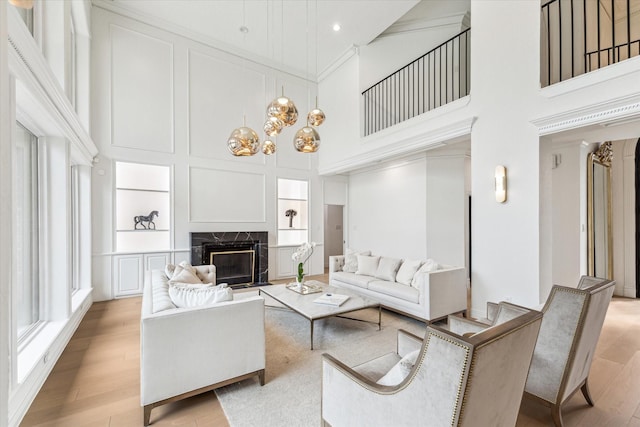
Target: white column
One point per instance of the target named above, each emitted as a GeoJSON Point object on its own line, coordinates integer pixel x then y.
{"type": "Point", "coordinates": [55, 222]}
{"type": "Point", "coordinates": [505, 58]}
{"type": "Point", "coordinates": [5, 220]}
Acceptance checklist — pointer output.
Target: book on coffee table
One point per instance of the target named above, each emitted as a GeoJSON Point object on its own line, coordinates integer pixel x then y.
{"type": "Point", "coordinates": [331, 299]}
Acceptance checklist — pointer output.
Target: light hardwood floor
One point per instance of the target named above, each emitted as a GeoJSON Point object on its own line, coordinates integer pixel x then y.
{"type": "Point", "coordinates": [96, 380]}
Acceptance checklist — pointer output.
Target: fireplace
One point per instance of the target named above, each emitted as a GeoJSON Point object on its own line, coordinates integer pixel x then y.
{"type": "Point", "coordinates": [241, 258]}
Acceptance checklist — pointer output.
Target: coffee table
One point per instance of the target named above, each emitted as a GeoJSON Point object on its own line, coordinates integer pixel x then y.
{"type": "Point", "coordinates": [304, 305]}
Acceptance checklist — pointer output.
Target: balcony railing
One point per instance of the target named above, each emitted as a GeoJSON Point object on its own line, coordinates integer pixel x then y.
{"type": "Point", "coordinates": [579, 36]}
{"type": "Point", "coordinates": [438, 77]}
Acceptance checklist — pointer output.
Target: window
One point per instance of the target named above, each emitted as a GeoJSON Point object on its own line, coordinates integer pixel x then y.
{"type": "Point", "coordinates": [26, 230]}
{"type": "Point", "coordinates": [75, 230]}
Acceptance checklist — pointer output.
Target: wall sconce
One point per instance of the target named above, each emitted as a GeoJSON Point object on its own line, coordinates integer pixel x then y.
{"type": "Point", "coordinates": [501, 184]}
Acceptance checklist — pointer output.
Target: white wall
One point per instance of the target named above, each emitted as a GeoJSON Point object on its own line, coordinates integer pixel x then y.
{"type": "Point", "coordinates": [505, 241]}
{"type": "Point", "coordinates": [568, 227]}
{"type": "Point", "coordinates": [446, 213]}
{"type": "Point", "coordinates": [411, 209]}
{"type": "Point", "coordinates": [387, 210]}
{"type": "Point", "coordinates": [163, 99]}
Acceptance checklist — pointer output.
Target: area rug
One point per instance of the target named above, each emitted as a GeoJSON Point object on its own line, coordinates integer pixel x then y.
{"type": "Point", "coordinates": [291, 394]}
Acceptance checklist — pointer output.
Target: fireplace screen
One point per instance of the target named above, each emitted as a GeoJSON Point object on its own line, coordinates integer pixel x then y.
{"type": "Point", "coordinates": [234, 266]}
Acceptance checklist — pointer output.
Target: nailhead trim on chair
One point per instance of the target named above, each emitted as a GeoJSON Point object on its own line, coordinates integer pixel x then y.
{"type": "Point", "coordinates": [461, 380]}
{"type": "Point", "coordinates": [473, 362]}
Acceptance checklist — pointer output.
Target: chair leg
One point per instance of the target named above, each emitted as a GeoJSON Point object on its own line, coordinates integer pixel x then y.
{"type": "Point", "coordinates": [586, 393]}
{"type": "Point", "coordinates": [147, 414]}
{"type": "Point", "coordinates": [556, 415]}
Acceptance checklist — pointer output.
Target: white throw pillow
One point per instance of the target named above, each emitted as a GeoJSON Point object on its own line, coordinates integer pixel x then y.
{"type": "Point", "coordinates": [388, 268]}
{"type": "Point", "coordinates": [351, 260]}
{"type": "Point", "coordinates": [184, 273]}
{"type": "Point", "coordinates": [367, 265]}
{"type": "Point", "coordinates": [407, 271]}
{"type": "Point", "coordinates": [400, 370]}
{"type": "Point", "coordinates": [160, 299]}
{"type": "Point", "coordinates": [190, 295]}
{"type": "Point", "coordinates": [429, 266]}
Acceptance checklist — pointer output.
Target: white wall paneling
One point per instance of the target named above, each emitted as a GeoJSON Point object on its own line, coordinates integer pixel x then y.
{"type": "Point", "coordinates": [221, 92]}
{"type": "Point", "coordinates": [226, 196]}
{"type": "Point", "coordinates": [128, 274]}
{"type": "Point", "coordinates": [156, 261]}
{"type": "Point", "coordinates": [202, 95]}
{"type": "Point", "coordinates": [141, 91]}
{"type": "Point", "coordinates": [286, 266]}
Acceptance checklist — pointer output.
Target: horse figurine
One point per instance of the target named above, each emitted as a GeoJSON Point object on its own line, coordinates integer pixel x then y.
{"type": "Point", "coordinates": [141, 219]}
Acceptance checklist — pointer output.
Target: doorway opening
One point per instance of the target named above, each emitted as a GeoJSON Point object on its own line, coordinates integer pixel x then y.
{"type": "Point", "coordinates": [333, 232]}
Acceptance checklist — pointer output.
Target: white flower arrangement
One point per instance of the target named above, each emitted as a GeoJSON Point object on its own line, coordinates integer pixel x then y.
{"type": "Point", "coordinates": [301, 255]}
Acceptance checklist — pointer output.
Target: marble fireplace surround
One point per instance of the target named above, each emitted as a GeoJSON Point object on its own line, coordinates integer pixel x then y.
{"type": "Point", "coordinates": [259, 239]}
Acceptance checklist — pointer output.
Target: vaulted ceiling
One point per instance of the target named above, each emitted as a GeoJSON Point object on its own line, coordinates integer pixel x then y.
{"type": "Point", "coordinates": [293, 35]}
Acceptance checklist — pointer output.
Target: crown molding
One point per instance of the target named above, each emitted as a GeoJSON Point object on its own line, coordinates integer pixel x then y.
{"type": "Point", "coordinates": [338, 62]}
{"type": "Point", "coordinates": [422, 24]}
{"type": "Point", "coordinates": [605, 113]}
{"type": "Point", "coordinates": [415, 141]}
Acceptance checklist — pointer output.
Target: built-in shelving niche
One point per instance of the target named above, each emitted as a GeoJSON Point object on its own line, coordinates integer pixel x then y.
{"type": "Point", "coordinates": [140, 190]}
{"type": "Point", "coordinates": [293, 211]}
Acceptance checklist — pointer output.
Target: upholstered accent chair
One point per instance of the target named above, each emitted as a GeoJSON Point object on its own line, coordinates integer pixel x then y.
{"type": "Point", "coordinates": [462, 381]}
{"type": "Point", "coordinates": [571, 325]}
{"type": "Point", "coordinates": [496, 314]}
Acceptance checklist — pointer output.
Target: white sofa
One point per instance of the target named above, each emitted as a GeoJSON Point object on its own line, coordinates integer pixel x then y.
{"type": "Point", "coordinates": [187, 351]}
{"type": "Point", "coordinates": [435, 295]}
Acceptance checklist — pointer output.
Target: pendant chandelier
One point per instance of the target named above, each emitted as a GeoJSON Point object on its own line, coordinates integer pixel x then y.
{"type": "Point", "coordinates": [281, 113]}
{"type": "Point", "coordinates": [243, 141]}
{"type": "Point", "coordinates": [307, 139]}
{"type": "Point", "coordinates": [268, 147]}
{"type": "Point", "coordinates": [283, 109]}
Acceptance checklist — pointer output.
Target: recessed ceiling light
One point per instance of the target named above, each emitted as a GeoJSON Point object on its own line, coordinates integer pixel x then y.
{"type": "Point", "coordinates": [336, 27]}
{"type": "Point", "coordinates": [244, 30]}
